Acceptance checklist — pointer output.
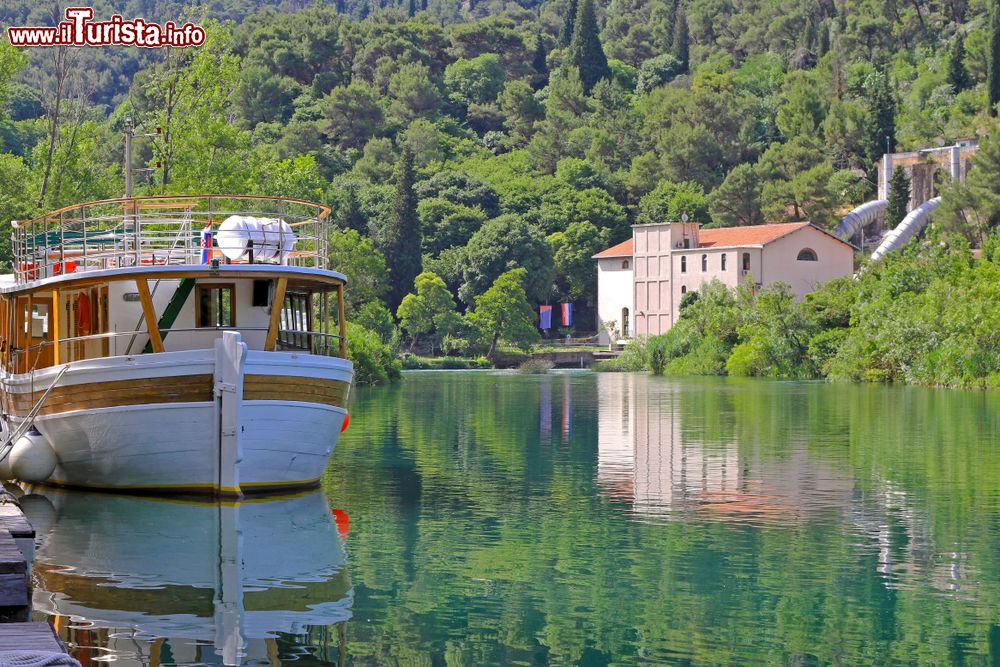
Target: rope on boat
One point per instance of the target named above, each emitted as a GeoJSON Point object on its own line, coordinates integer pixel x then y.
{"type": "Point", "coordinates": [36, 659]}
{"type": "Point", "coordinates": [29, 421]}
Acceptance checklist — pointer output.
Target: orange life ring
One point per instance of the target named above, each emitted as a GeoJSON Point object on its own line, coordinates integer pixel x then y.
{"type": "Point", "coordinates": [83, 315]}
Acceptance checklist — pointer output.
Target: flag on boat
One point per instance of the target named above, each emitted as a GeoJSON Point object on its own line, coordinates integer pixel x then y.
{"type": "Point", "coordinates": [545, 317]}
{"type": "Point", "coordinates": [567, 314]}
{"type": "Point", "coordinates": [206, 244]}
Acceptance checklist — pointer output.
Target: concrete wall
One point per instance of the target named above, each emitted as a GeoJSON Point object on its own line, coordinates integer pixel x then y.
{"type": "Point", "coordinates": [780, 261]}
{"type": "Point", "coordinates": [614, 292]}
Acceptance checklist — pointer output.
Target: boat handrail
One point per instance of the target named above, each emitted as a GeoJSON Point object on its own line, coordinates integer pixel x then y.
{"type": "Point", "coordinates": [327, 349]}
{"type": "Point", "coordinates": [166, 230]}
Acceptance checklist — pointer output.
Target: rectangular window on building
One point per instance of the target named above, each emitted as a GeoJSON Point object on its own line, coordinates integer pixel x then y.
{"type": "Point", "coordinates": [215, 306]}
{"type": "Point", "coordinates": [704, 263]}
{"type": "Point", "coordinates": [723, 261]}
{"type": "Point", "coordinates": [684, 264]}
{"type": "Point", "coordinates": [746, 261]}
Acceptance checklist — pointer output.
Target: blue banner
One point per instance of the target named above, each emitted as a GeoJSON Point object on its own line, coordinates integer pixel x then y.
{"type": "Point", "coordinates": [545, 317]}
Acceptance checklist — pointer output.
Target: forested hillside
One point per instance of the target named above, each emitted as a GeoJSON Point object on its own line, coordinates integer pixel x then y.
{"type": "Point", "coordinates": [468, 139]}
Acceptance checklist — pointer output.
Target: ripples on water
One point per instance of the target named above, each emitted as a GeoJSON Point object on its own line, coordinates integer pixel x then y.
{"type": "Point", "coordinates": [576, 518]}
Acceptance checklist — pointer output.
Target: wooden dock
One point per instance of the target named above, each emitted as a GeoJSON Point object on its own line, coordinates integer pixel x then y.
{"type": "Point", "coordinates": [17, 548]}
{"type": "Point", "coordinates": [29, 637]}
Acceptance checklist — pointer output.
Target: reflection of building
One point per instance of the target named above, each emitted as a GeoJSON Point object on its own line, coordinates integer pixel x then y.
{"type": "Point", "coordinates": [642, 455]}
{"type": "Point", "coordinates": [640, 283]}
{"type": "Point", "coordinates": [647, 456]}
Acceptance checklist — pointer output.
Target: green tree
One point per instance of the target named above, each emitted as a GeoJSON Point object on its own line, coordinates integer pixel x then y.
{"type": "Point", "coordinates": [427, 309]}
{"type": "Point", "coordinates": [355, 256]}
{"type": "Point", "coordinates": [573, 252]}
{"type": "Point", "coordinates": [414, 92]}
{"type": "Point", "coordinates": [400, 239]}
{"type": "Point", "coordinates": [669, 201]}
{"type": "Point", "coordinates": [585, 50]}
{"type": "Point", "coordinates": [880, 123]}
{"type": "Point", "coordinates": [539, 64]}
{"type": "Point", "coordinates": [504, 313]}
{"type": "Point", "coordinates": [445, 224]}
{"type": "Point", "coordinates": [737, 201]}
{"type": "Point", "coordinates": [993, 71]}
{"type": "Point", "coordinates": [569, 21]}
{"type": "Point", "coordinates": [682, 38]}
{"type": "Point", "coordinates": [898, 199]}
{"type": "Point", "coordinates": [958, 75]}
{"type": "Point", "coordinates": [352, 114]}
{"type": "Point", "coordinates": [521, 110]}
{"type": "Point", "coordinates": [503, 243]}
{"type": "Point", "coordinates": [657, 71]}
{"type": "Point", "coordinates": [477, 80]}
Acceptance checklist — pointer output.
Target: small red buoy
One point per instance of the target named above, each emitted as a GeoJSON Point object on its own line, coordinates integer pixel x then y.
{"type": "Point", "coordinates": [342, 520]}
{"type": "Point", "coordinates": [346, 422]}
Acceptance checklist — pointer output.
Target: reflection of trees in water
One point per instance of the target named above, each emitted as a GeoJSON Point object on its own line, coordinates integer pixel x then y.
{"type": "Point", "coordinates": [866, 506]}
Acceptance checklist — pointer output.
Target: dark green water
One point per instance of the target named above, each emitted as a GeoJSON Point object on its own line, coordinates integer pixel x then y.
{"type": "Point", "coordinates": [577, 518]}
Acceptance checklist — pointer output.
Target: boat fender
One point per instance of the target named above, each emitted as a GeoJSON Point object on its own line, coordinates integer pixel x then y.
{"type": "Point", "coordinates": [347, 422]}
{"type": "Point", "coordinates": [32, 459]}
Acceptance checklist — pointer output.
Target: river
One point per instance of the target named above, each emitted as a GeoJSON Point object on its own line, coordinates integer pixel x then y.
{"type": "Point", "coordinates": [481, 518]}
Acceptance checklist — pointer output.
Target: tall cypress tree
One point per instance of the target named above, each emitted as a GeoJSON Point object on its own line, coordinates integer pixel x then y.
{"type": "Point", "coordinates": [670, 23]}
{"type": "Point", "coordinates": [585, 50]}
{"type": "Point", "coordinates": [401, 239]}
{"type": "Point", "coordinates": [682, 38]}
{"type": "Point", "coordinates": [569, 21]}
{"type": "Point", "coordinates": [411, 9]}
{"type": "Point", "coordinates": [958, 76]}
{"type": "Point", "coordinates": [880, 123]}
{"type": "Point", "coordinates": [993, 71]}
{"type": "Point", "coordinates": [539, 64]}
{"type": "Point", "coordinates": [898, 198]}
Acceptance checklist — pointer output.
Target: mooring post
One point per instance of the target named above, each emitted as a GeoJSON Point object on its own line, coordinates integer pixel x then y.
{"type": "Point", "coordinates": [230, 356]}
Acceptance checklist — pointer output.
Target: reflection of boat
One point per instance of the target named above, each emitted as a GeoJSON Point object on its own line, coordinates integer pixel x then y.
{"type": "Point", "coordinates": [229, 575]}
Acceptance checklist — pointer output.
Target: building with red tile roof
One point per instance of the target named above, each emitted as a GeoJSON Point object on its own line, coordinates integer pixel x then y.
{"type": "Point", "coordinates": [641, 281]}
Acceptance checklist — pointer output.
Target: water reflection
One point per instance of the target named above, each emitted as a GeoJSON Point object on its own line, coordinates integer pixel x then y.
{"type": "Point", "coordinates": [655, 454]}
{"type": "Point", "coordinates": [153, 582]}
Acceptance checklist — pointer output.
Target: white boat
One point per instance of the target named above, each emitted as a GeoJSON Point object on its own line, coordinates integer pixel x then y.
{"type": "Point", "coordinates": [146, 578]}
{"type": "Point", "coordinates": [174, 344]}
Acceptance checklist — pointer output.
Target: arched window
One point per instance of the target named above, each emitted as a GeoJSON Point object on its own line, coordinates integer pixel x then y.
{"type": "Point", "coordinates": [625, 264]}
{"type": "Point", "coordinates": [704, 263]}
{"type": "Point", "coordinates": [723, 261]}
{"type": "Point", "coordinates": [807, 255]}
{"type": "Point", "coordinates": [624, 322]}
{"type": "Point", "coordinates": [684, 264]}
{"type": "Point", "coordinates": [684, 289]}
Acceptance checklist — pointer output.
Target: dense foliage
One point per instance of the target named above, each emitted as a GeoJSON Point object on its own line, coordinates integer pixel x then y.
{"type": "Point", "coordinates": [470, 139]}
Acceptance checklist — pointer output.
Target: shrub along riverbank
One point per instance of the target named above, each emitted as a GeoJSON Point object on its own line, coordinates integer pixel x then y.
{"type": "Point", "coordinates": [928, 316]}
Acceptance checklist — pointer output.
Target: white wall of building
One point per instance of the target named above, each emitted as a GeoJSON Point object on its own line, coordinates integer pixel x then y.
{"type": "Point", "coordinates": [781, 263]}
{"type": "Point", "coordinates": [614, 293]}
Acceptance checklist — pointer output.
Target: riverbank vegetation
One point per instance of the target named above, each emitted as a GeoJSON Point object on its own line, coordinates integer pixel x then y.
{"type": "Point", "coordinates": [929, 315]}
{"type": "Point", "coordinates": [469, 140]}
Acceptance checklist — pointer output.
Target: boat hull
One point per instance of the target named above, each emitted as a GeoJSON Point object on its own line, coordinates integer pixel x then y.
{"type": "Point", "coordinates": [152, 422]}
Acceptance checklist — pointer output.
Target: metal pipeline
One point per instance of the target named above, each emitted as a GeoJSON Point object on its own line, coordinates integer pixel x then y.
{"type": "Point", "coordinates": [852, 223]}
{"type": "Point", "coordinates": [911, 225]}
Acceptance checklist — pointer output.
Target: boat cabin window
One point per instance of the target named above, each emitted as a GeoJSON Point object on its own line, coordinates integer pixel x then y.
{"type": "Point", "coordinates": [215, 306]}
{"type": "Point", "coordinates": [296, 317]}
